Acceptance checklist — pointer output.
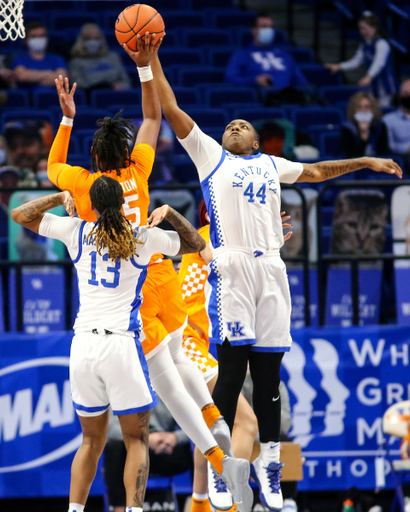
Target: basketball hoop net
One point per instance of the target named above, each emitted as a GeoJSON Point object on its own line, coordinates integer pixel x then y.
{"type": "Point", "coordinates": [11, 19]}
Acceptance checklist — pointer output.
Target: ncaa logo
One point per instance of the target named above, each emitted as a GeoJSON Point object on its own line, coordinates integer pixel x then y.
{"type": "Point", "coordinates": [326, 359]}
{"type": "Point", "coordinates": [37, 418]}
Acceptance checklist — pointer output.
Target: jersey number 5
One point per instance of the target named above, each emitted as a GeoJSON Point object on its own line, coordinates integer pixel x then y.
{"type": "Point", "coordinates": [115, 279]}
{"type": "Point", "coordinates": [131, 210]}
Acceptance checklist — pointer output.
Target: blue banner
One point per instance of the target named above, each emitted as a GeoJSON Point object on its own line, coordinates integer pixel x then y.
{"type": "Point", "coordinates": [39, 429]}
{"type": "Point", "coordinates": [297, 294]}
{"type": "Point", "coordinates": [402, 275]}
{"type": "Point", "coordinates": [341, 381]}
{"type": "Point", "coordinates": [339, 296]}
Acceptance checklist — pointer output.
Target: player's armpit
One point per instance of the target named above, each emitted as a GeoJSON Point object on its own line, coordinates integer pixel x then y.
{"type": "Point", "coordinates": [143, 155]}
{"type": "Point", "coordinates": [62, 175]}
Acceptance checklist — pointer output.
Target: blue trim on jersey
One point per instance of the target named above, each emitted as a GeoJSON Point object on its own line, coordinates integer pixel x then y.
{"type": "Point", "coordinates": [214, 305]}
{"type": "Point", "coordinates": [250, 157]}
{"type": "Point", "coordinates": [135, 324]}
{"type": "Point", "coordinates": [80, 242]}
{"type": "Point", "coordinates": [144, 367]}
{"type": "Point", "coordinates": [136, 264]}
{"type": "Point", "coordinates": [136, 410]}
{"type": "Point", "coordinates": [90, 409]}
{"type": "Point", "coordinates": [221, 160]}
{"type": "Point", "coordinates": [270, 349]}
{"type": "Point", "coordinates": [274, 165]}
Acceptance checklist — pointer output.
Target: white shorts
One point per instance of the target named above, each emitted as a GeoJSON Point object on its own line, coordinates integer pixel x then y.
{"type": "Point", "coordinates": [109, 370]}
{"type": "Point", "coordinates": [250, 300]}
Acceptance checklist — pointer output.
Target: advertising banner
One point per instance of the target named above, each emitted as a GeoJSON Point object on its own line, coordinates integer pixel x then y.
{"type": "Point", "coordinates": [341, 381]}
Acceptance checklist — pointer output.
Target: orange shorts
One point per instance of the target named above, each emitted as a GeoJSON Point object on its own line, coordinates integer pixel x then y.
{"type": "Point", "coordinates": [196, 349]}
{"type": "Point", "coordinates": [163, 311]}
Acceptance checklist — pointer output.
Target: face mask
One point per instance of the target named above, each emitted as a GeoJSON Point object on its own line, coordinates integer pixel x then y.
{"type": "Point", "coordinates": [405, 102]}
{"type": "Point", "coordinates": [3, 156]}
{"type": "Point", "coordinates": [37, 44]}
{"type": "Point", "coordinates": [266, 35]}
{"type": "Point", "coordinates": [364, 117]}
{"type": "Point", "coordinates": [92, 45]}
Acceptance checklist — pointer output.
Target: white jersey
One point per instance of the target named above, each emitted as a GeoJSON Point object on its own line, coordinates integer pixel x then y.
{"type": "Point", "coordinates": [110, 291]}
{"type": "Point", "coordinates": [242, 194]}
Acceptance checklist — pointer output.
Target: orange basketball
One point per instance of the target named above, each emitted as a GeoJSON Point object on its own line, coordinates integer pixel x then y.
{"type": "Point", "coordinates": [138, 19]}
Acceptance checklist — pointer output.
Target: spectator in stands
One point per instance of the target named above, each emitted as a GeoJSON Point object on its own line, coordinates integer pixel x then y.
{"type": "Point", "coordinates": [263, 65]}
{"type": "Point", "coordinates": [93, 65]}
{"type": "Point", "coordinates": [26, 145]}
{"type": "Point", "coordinates": [398, 126]}
{"type": "Point", "coordinates": [40, 171]}
{"type": "Point", "coordinates": [375, 53]}
{"type": "Point", "coordinates": [9, 177]}
{"type": "Point", "coordinates": [4, 152]}
{"type": "Point", "coordinates": [7, 75]}
{"type": "Point", "coordinates": [364, 133]}
{"type": "Point", "coordinates": [169, 453]}
{"type": "Point", "coordinates": [36, 68]}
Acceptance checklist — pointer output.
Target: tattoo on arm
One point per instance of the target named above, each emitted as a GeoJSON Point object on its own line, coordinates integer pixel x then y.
{"type": "Point", "coordinates": [332, 169]}
{"type": "Point", "coordinates": [34, 209]}
{"type": "Point", "coordinates": [143, 470]}
{"type": "Point", "coordinates": [191, 241]}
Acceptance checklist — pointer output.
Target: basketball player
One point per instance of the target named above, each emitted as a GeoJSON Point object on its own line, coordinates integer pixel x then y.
{"type": "Point", "coordinates": [169, 368]}
{"type": "Point", "coordinates": [193, 275]}
{"type": "Point", "coordinates": [108, 256]}
{"type": "Point", "coordinates": [249, 307]}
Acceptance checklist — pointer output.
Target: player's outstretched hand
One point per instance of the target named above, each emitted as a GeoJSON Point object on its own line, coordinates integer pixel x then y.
{"type": "Point", "coordinates": [147, 48]}
{"type": "Point", "coordinates": [68, 203]}
{"type": "Point", "coordinates": [157, 216]}
{"type": "Point", "coordinates": [385, 165]}
{"type": "Point", "coordinates": [286, 225]}
{"type": "Point", "coordinates": [65, 96]}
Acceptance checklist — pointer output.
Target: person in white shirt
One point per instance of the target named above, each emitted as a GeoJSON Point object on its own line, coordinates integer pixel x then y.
{"type": "Point", "coordinates": [107, 364]}
{"type": "Point", "coordinates": [249, 307]}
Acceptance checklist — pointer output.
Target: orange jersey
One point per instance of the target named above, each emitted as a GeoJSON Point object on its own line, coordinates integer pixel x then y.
{"type": "Point", "coordinates": [78, 181]}
{"type": "Point", "coordinates": [193, 275]}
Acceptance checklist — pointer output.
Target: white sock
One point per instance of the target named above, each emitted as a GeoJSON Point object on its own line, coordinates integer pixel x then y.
{"type": "Point", "coordinates": [198, 496]}
{"type": "Point", "coordinates": [75, 507]}
{"type": "Point", "coordinates": [133, 509]}
{"type": "Point", "coordinates": [270, 452]}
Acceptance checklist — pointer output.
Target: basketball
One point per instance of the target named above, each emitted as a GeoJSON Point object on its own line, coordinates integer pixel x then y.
{"type": "Point", "coordinates": [138, 19]}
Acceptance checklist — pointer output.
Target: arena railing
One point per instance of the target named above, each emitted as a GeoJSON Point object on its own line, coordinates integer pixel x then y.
{"type": "Point", "coordinates": [324, 260]}
{"type": "Point", "coordinates": [6, 265]}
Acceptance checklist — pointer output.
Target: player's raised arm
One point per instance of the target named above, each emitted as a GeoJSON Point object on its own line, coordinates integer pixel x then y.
{"type": "Point", "coordinates": [151, 109]}
{"type": "Point", "coordinates": [179, 120]}
{"type": "Point", "coordinates": [191, 240]}
{"type": "Point", "coordinates": [327, 170]}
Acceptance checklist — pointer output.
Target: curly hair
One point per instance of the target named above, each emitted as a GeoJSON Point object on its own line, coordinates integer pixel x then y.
{"type": "Point", "coordinates": [110, 144]}
{"type": "Point", "coordinates": [354, 104]}
{"type": "Point", "coordinates": [112, 230]}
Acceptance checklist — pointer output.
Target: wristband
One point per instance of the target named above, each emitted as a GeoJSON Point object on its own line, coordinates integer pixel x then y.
{"type": "Point", "coordinates": [145, 73]}
{"type": "Point", "coordinates": [67, 121]}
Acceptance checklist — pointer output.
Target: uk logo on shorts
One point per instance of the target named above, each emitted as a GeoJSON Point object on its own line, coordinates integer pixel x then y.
{"type": "Point", "coordinates": [236, 329]}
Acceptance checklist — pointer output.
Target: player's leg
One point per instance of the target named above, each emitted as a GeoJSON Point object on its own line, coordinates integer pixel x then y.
{"type": "Point", "coordinates": [265, 373]}
{"type": "Point", "coordinates": [135, 430]}
{"type": "Point", "coordinates": [84, 466]}
{"type": "Point", "coordinates": [169, 386]}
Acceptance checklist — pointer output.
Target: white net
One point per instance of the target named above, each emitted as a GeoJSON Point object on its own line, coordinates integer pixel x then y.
{"type": "Point", "coordinates": [11, 19]}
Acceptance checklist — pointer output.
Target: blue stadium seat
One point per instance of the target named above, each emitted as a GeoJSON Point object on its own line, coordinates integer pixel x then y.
{"type": "Point", "coordinates": [187, 96]}
{"type": "Point", "coordinates": [80, 160]}
{"type": "Point", "coordinates": [193, 38]}
{"type": "Point", "coordinates": [219, 57]}
{"type": "Point", "coordinates": [47, 99]}
{"type": "Point", "coordinates": [200, 75]}
{"type": "Point", "coordinates": [243, 37]}
{"type": "Point", "coordinates": [16, 98]}
{"type": "Point", "coordinates": [232, 18]}
{"type": "Point", "coordinates": [230, 94]}
{"type": "Point", "coordinates": [340, 93]}
{"type": "Point", "coordinates": [301, 55]}
{"type": "Point", "coordinates": [329, 143]}
{"type": "Point", "coordinates": [305, 117]}
{"type": "Point", "coordinates": [62, 20]}
{"type": "Point", "coordinates": [177, 19]}
{"type": "Point", "coordinates": [255, 114]}
{"type": "Point", "coordinates": [87, 118]}
{"type": "Point", "coordinates": [75, 145]}
{"type": "Point", "coordinates": [85, 138]}
{"type": "Point", "coordinates": [179, 56]}
{"type": "Point", "coordinates": [210, 4]}
{"type": "Point", "coordinates": [28, 114]}
{"type": "Point", "coordinates": [318, 75]}
{"type": "Point", "coordinates": [209, 117]}
{"type": "Point", "coordinates": [103, 98]}
{"type": "Point", "coordinates": [316, 131]}
{"type": "Point", "coordinates": [172, 38]}
{"type": "Point", "coordinates": [184, 169]}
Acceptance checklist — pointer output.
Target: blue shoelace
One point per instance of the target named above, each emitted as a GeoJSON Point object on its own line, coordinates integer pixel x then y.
{"type": "Point", "coordinates": [274, 476]}
{"type": "Point", "coordinates": [219, 484]}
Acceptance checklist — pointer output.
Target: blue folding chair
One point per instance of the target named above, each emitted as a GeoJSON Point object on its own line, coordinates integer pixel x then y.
{"type": "Point", "coordinates": [256, 114]}
{"type": "Point", "coordinates": [218, 57]}
{"type": "Point", "coordinates": [48, 99]}
{"type": "Point", "coordinates": [16, 98]}
{"type": "Point", "coordinates": [193, 38]}
{"type": "Point", "coordinates": [62, 20]}
{"type": "Point", "coordinates": [179, 56]}
{"type": "Point", "coordinates": [303, 118]}
{"type": "Point", "coordinates": [230, 94]}
{"type": "Point", "coordinates": [329, 143]}
{"type": "Point", "coordinates": [184, 169]}
{"type": "Point", "coordinates": [200, 75]}
{"type": "Point", "coordinates": [21, 115]}
{"type": "Point", "coordinates": [187, 96]}
{"type": "Point", "coordinates": [319, 75]}
{"type": "Point", "coordinates": [340, 93]}
{"type": "Point", "coordinates": [86, 118]}
{"type": "Point", "coordinates": [103, 98]}
{"type": "Point", "coordinates": [182, 18]}
{"type": "Point", "coordinates": [209, 117]}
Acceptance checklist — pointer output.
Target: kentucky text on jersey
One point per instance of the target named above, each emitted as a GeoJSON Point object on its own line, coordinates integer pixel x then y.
{"type": "Point", "coordinates": [251, 170]}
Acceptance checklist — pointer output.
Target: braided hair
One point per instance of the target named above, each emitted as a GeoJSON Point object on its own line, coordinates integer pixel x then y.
{"type": "Point", "coordinates": [112, 229]}
{"type": "Point", "coordinates": [110, 144]}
